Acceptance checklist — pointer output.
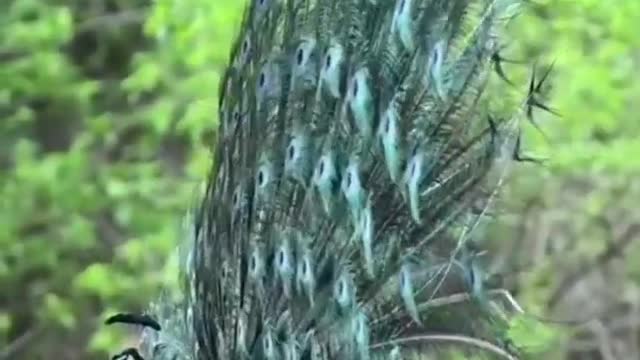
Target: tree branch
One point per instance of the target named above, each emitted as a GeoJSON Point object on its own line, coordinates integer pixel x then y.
{"type": "Point", "coordinates": [15, 347]}
{"type": "Point", "coordinates": [124, 18]}
{"type": "Point", "coordinates": [614, 249]}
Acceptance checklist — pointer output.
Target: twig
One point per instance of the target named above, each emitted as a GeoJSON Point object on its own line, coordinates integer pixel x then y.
{"type": "Point", "coordinates": [603, 340]}
{"type": "Point", "coordinates": [462, 297]}
{"type": "Point", "coordinates": [458, 298]}
{"type": "Point", "coordinates": [19, 344]}
{"type": "Point", "coordinates": [120, 19]}
{"type": "Point", "coordinates": [478, 343]}
{"type": "Point", "coordinates": [613, 250]}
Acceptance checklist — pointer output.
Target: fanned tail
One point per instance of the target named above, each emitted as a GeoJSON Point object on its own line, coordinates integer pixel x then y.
{"type": "Point", "coordinates": [357, 153]}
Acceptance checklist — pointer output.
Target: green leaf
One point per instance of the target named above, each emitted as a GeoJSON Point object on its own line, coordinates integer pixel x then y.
{"type": "Point", "coordinates": [58, 310]}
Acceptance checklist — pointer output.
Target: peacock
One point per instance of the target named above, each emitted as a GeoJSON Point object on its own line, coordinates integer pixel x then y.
{"type": "Point", "coordinates": [357, 155]}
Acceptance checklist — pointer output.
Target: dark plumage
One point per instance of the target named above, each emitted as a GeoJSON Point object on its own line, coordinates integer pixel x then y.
{"type": "Point", "coordinates": [353, 151]}
{"type": "Point", "coordinates": [135, 319]}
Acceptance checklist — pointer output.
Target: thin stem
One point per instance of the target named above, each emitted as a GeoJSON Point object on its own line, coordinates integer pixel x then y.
{"type": "Point", "coordinates": [478, 343]}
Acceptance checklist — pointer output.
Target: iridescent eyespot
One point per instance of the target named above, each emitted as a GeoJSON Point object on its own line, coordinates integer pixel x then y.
{"type": "Point", "coordinates": [260, 177]}
{"type": "Point", "coordinates": [281, 257]}
{"type": "Point", "coordinates": [267, 344]}
{"type": "Point", "coordinates": [235, 199]}
{"type": "Point", "coordinates": [245, 45]}
{"type": "Point", "coordinates": [292, 151]}
{"type": "Point", "coordinates": [300, 56]}
{"type": "Point", "coordinates": [414, 151]}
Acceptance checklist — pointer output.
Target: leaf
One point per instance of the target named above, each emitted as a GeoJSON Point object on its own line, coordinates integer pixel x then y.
{"type": "Point", "coordinates": [58, 310]}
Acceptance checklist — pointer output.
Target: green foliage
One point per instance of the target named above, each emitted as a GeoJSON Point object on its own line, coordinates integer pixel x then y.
{"type": "Point", "coordinates": [595, 85]}
{"type": "Point", "coordinates": [106, 114]}
{"type": "Point", "coordinates": [100, 126]}
{"type": "Point", "coordinates": [533, 337]}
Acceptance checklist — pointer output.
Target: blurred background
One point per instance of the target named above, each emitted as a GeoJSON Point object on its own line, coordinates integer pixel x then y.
{"type": "Point", "coordinates": [107, 115]}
